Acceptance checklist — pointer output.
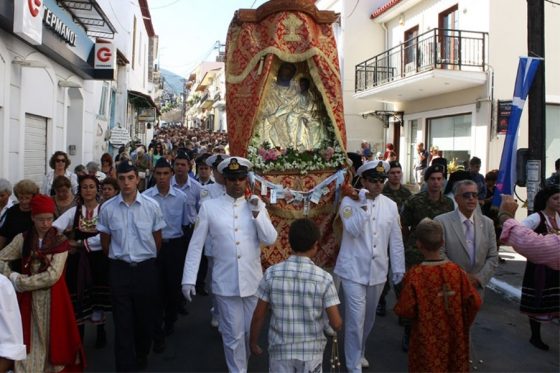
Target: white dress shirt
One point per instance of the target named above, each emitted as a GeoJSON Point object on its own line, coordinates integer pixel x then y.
{"type": "Point", "coordinates": [11, 331]}
{"type": "Point", "coordinates": [131, 227]}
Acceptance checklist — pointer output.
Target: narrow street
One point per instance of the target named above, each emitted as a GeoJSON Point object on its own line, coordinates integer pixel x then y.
{"type": "Point", "coordinates": [500, 340]}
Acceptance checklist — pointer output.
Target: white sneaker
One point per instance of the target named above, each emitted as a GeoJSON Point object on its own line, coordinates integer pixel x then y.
{"type": "Point", "coordinates": [365, 363]}
{"type": "Point", "coordinates": [329, 331]}
{"type": "Point", "coordinates": [214, 322]}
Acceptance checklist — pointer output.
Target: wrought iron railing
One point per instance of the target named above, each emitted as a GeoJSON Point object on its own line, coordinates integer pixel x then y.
{"type": "Point", "coordinates": [434, 49]}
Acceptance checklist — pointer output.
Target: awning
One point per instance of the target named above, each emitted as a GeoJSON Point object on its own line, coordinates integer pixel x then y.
{"type": "Point", "coordinates": [90, 16]}
{"type": "Point", "coordinates": [140, 99]}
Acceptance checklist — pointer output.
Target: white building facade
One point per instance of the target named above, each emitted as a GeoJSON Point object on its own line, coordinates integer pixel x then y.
{"type": "Point", "coordinates": [57, 91]}
{"type": "Point", "coordinates": [440, 72]}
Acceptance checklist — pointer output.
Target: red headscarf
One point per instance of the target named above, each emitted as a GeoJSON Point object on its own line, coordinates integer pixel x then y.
{"type": "Point", "coordinates": [42, 204]}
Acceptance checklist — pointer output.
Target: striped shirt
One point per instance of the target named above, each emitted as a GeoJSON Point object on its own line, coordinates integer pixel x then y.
{"type": "Point", "coordinates": [537, 248]}
{"type": "Point", "coordinates": [298, 291]}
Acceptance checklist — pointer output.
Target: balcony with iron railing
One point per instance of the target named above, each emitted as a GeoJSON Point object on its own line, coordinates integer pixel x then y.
{"type": "Point", "coordinates": [443, 59]}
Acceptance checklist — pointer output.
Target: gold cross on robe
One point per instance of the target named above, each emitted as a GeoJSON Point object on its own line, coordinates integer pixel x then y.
{"type": "Point", "coordinates": [446, 292]}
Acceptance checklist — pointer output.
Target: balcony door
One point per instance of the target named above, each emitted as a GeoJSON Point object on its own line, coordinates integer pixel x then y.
{"type": "Point", "coordinates": [410, 49]}
{"type": "Point", "coordinates": [449, 38]}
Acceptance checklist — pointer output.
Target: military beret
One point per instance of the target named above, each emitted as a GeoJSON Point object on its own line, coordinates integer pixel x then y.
{"type": "Point", "coordinates": [126, 166]}
{"type": "Point", "coordinates": [162, 163]}
{"type": "Point", "coordinates": [434, 168]}
{"type": "Point", "coordinates": [215, 159]}
{"type": "Point", "coordinates": [201, 159]}
{"type": "Point", "coordinates": [182, 155]}
{"type": "Point", "coordinates": [374, 169]}
{"type": "Point", "coordinates": [395, 164]}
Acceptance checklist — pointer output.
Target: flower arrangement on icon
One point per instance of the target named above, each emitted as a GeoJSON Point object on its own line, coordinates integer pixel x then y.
{"type": "Point", "coordinates": [266, 158]}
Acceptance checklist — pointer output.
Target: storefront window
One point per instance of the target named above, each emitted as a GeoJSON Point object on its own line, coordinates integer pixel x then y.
{"type": "Point", "coordinates": [452, 135]}
{"type": "Point", "coordinates": [552, 150]}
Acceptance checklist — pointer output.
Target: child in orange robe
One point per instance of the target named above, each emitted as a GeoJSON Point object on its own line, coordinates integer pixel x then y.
{"type": "Point", "coordinates": [442, 304]}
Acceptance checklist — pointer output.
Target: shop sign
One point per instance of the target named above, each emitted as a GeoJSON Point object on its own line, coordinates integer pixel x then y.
{"type": "Point", "coordinates": [504, 112]}
{"type": "Point", "coordinates": [53, 22]}
{"type": "Point", "coordinates": [28, 15]}
{"type": "Point", "coordinates": [105, 56]}
{"type": "Point", "coordinates": [147, 115]}
{"type": "Point", "coordinates": [119, 136]}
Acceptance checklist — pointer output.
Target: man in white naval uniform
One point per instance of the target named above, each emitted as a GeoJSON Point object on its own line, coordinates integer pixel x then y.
{"type": "Point", "coordinates": [237, 227]}
{"type": "Point", "coordinates": [211, 191]}
{"type": "Point", "coordinates": [370, 225]}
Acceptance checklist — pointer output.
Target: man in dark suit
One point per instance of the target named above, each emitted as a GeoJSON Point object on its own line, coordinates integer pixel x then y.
{"type": "Point", "coordinates": [470, 240]}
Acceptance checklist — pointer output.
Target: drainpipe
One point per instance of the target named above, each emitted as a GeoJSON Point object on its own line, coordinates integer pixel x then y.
{"type": "Point", "coordinates": [385, 105]}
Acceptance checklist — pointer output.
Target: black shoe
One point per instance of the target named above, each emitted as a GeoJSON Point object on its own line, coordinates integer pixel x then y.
{"type": "Point", "coordinates": [168, 329]}
{"type": "Point", "coordinates": [200, 290]}
{"type": "Point", "coordinates": [539, 344]}
{"type": "Point", "coordinates": [381, 309]}
{"type": "Point", "coordinates": [101, 339]}
{"type": "Point", "coordinates": [182, 309]}
{"type": "Point", "coordinates": [141, 362]}
{"type": "Point", "coordinates": [404, 342]}
{"type": "Point", "coordinates": [159, 345]}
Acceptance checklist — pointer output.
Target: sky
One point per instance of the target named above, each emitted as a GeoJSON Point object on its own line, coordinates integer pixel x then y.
{"type": "Point", "coordinates": [189, 29]}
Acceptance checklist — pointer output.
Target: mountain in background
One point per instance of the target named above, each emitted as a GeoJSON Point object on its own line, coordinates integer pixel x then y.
{"type": "Point", "coordinates": [173, 82]}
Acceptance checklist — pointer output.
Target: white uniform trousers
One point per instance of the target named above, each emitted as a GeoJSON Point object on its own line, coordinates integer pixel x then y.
{"type": "Point", "coordinates": [360, 303]}
{"type": "Point", "coordinates": [235, 314]}
{"type": "Point", "coordinates": [214, 309]}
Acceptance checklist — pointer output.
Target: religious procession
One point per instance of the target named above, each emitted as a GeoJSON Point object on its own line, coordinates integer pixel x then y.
{"type": "Point", "coordinates": [282, 242]}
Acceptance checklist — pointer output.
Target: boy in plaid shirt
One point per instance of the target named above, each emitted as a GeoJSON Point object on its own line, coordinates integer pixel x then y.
{"type": "Point", "coordinates": [297, 292]}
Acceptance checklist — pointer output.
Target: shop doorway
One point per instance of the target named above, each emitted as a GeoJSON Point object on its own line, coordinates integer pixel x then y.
{"type": "Point", "coordinates": [35, 148]}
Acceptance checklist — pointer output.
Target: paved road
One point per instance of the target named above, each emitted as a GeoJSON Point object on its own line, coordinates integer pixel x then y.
{"type": "Point", "coordinates": [500, 336]}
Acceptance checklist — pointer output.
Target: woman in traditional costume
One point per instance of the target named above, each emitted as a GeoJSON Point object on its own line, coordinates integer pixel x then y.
{"type": "Point", "coordinates": [540, 294]}
{"type": "Point", "coordinates": [87, 270]}
{"type": "Point", "coordinates": [42, 294]}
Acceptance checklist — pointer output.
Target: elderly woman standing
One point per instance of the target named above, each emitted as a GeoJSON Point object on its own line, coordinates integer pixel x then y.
{"type": "Point", "coordinates": [63, 196]}
{"type": "Point", "coordinates": [18, 217]}
{"type": "Point", "coordinates": [59, 163]}
{"type": "Point", "coordinates": [49, 327]}
{"type": "Point", "coordinates": [5, 201]}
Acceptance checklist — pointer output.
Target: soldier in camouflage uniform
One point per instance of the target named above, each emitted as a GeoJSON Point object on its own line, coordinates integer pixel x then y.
{"type": "Point", "coordinates": [427, 204]}
{"type": "Point", "coordinates": [393, 189]}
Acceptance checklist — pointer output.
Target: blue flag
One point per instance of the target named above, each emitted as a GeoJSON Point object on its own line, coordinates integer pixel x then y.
{"type": "Point", "coordinates": [526, 72]}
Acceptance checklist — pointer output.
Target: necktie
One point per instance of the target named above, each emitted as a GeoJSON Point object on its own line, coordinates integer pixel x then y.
{"type": "Point", "coordinates": [469, 236]}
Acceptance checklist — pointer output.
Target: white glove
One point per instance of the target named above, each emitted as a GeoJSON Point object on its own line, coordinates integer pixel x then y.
{"type": "Point", "coordinates": [362, 196]}
{"type": "Point", "coordinates": [397, 277]}
{"type": "Point", "coordinates": [188, 291]}
{"type": "Point", "coordinates": [13, 277]}
{"type": "Point", "coordinates": [255, 203]}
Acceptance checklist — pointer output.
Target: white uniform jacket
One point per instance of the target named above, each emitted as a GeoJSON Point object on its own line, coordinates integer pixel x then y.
{"type": "Point", "coordinates": [208, 192]}
{"type": "Point", "coordinates": [236, 237]}
{"type": "Point", "coordinates": [366, 235]}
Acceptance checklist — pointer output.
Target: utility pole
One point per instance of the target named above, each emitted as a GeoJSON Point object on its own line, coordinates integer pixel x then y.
{"type": "Point", "coordinates": [537, 94]}
{"type": "Point", "coordinates": [536, 173]}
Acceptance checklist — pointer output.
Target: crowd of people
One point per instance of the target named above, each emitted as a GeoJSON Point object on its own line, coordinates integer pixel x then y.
{"type": "Point", "coordinates": [139, 234]}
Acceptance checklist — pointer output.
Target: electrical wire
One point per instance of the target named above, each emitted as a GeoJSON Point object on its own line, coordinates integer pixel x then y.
{"type": "Point", "coordinates": [353, 9]}
{"type": "Point", "coordinates": [552, 2]}
{"type": "Point", "coordinates": [165, 6]}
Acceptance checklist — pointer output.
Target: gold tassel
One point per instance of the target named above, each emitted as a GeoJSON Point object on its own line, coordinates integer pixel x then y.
{"type": "Point", "coordinates": [335, 361]}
